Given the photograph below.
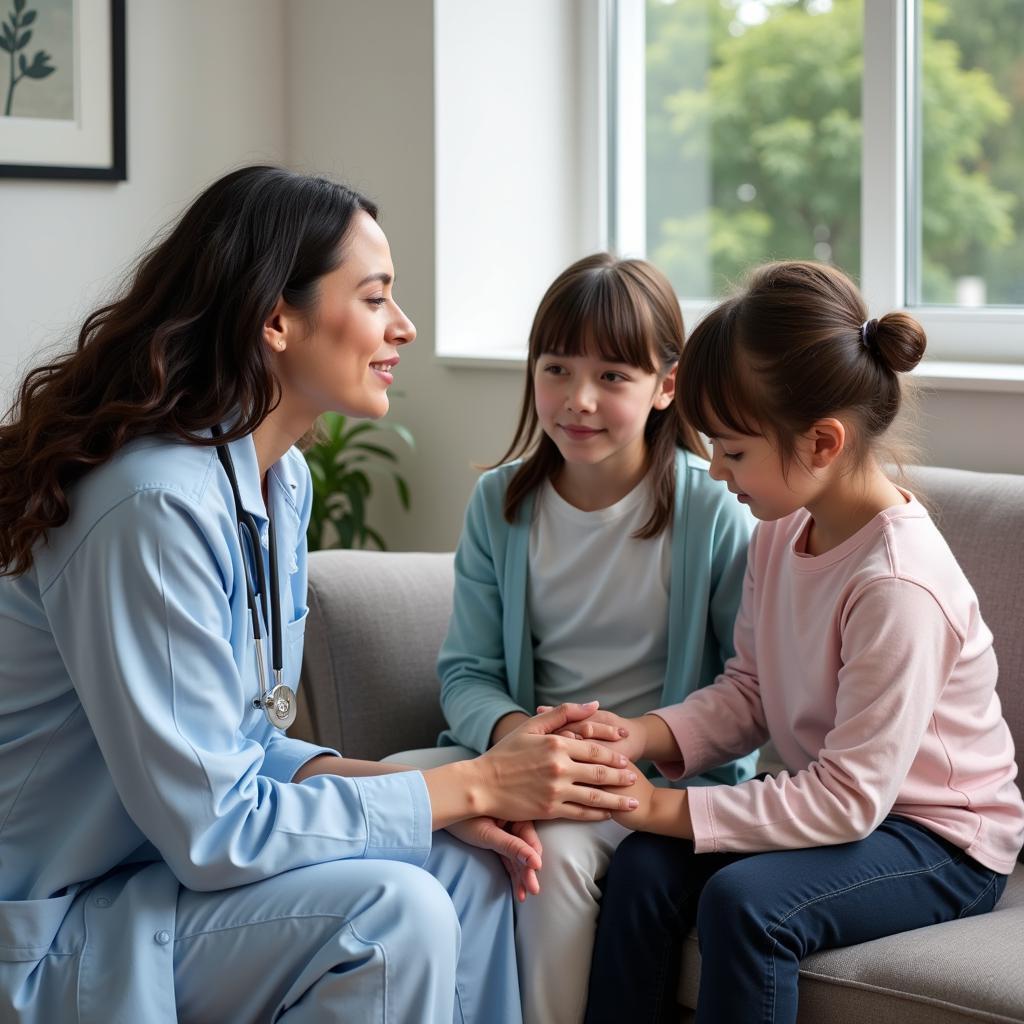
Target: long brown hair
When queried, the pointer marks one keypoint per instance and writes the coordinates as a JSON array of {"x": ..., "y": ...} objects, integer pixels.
[
  {"x": 626, "y": 311},
  {"x": 795, "y": 345},
  {"x": 180, "y": 350}
]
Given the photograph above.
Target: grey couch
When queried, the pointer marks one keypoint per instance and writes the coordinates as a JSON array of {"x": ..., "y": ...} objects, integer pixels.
[{"x": 369, "y": 689}]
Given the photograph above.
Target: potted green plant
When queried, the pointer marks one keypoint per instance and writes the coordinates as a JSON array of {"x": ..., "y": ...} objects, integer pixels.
[{"x": 342, "y": 460}]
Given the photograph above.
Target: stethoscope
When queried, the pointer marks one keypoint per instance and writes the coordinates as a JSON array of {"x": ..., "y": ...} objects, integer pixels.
[{"x": 279, "y": 704}]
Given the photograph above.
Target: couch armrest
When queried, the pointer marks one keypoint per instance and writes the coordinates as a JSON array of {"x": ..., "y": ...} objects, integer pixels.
[{"x": 376, "y": 622}]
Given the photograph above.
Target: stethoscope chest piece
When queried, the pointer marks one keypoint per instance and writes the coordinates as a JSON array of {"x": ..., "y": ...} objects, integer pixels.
[{"x": 279, "y": 704}]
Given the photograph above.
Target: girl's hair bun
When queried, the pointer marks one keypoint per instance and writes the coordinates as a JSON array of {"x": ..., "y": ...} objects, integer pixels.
[{"x": 899, "y": 341}]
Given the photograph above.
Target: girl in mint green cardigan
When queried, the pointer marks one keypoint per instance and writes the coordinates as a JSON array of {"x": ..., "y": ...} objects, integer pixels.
[
  {"x": 486, "y": 664},
  {"x": 602, "y": 563}
]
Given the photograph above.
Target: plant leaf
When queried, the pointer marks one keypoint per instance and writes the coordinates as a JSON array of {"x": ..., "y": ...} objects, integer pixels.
[
  {"x": 30, "y": 16},
  {"x": 377, "y": 539},
  {"x": 376, "y": 449},
  {"x": 358, "y": 507},
  {"x": 361, "y": 482},
  {"x": 403, "y": 492},
  {"x": 316, "y": 471},
  {"x": 335, "y": 426},
  {"x": 22, "y": 63},
  {"x": 357, "y": 503},
  {"x": 4, "y": 45},
  {"x": 340, "y": 466},
  {"x": 8, "y": 38},
  {"x": 19, "y": 6},
  {"x": 346, "y": 531},
  {"x": 346, "y": 459},
  {"x": 404, "y": 433},
  {"x": 314, "y": 535},
  {"x": 23, "y": 40},
  {"x": 359, "y": 428},
  {"x": 338, "y": 507}
]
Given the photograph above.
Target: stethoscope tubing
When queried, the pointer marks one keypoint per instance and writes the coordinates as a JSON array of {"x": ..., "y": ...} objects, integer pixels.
[{"x": 278, "y": 703}]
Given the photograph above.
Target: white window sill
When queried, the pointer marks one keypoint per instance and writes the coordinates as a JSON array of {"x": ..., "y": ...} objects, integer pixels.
[
  {"x": 502, "y": 359},
  {"x": 935, "y": 374},
  {"x": 945, "y": 375}
]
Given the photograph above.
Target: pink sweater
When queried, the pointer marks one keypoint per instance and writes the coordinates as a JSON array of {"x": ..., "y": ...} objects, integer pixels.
[{"x": 873, "y": 673}]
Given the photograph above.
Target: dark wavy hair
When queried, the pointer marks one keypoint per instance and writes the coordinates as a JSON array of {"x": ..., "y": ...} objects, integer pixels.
[
  {"x": 793, "y": 346},
  {"x": 626, "y": 311},
  {"x": 180, "y": 349}
]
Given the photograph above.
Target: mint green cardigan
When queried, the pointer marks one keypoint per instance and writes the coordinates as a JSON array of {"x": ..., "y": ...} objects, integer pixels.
[{"x": 486, "y": 660}]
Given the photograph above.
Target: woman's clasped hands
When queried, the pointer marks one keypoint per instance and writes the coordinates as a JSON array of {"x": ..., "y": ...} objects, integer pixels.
[
  {"x": 644, "y": 738},
  {"x": 540, "y": 771},
  {"x": 543, "y": 770}
]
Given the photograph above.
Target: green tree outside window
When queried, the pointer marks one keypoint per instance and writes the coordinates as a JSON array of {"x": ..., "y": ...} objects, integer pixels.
[{"x": 754, "y": 140}]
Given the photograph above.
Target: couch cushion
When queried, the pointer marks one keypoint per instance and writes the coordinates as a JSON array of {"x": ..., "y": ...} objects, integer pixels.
[
  {"x": 949, "y": 973},
  {"x": 376, "y": 622}
]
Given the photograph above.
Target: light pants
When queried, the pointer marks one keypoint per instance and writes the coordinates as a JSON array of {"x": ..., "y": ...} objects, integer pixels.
[
  {"x": 555, "y": 929},
  {"x": 353, "y": 940}
]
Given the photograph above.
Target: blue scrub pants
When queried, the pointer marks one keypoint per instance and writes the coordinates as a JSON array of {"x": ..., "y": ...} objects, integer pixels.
[
  {"x": 353, "y": 940},
  {"x": 758, "y": 915}
]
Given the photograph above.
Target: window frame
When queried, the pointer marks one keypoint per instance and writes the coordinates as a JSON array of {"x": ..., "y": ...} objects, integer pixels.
[{"x": 987, "y": 343}]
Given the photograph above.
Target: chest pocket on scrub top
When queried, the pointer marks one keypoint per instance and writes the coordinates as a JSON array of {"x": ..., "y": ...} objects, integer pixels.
[{"x": 294, "y": 634}]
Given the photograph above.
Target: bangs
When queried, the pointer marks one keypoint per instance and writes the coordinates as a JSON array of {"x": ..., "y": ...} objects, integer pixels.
[
  {"x": 596, "y": 314},
  {"x": 715, "y": 383}
]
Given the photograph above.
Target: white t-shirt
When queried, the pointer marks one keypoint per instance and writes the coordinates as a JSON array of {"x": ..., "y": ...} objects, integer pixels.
[{"x": 597, "y": 600}]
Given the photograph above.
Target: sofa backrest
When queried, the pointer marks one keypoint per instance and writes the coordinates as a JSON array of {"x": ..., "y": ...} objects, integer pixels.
[
  {"x": 376, "y": 621},
  {"x": 981, "y": 515}
]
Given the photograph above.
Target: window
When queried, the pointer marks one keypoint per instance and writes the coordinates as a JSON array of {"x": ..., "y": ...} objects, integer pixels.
[
  {"x": 885, "y": 136},
  {"x": 968, "y": 196},
  {"x": 753, "y": 137}
]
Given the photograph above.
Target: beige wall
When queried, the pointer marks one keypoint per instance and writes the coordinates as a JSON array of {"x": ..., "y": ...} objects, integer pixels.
[
  {"x": 973, "y": 430},
  {"x": 365, "y": 112},
  {"x": 383, "y": 139},
  {"x": 205, "y": 92},
  {"x": 345, "y": 88}
]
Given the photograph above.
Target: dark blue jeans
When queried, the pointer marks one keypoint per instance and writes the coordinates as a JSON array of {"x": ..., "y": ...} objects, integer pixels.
[{"x": 758, "y": 915}]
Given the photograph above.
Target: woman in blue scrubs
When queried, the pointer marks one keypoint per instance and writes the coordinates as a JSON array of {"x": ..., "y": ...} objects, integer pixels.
[{"x": 166, "y": 852}]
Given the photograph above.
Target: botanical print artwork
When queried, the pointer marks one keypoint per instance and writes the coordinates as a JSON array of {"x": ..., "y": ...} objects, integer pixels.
[{"x": 38, "y": 42}]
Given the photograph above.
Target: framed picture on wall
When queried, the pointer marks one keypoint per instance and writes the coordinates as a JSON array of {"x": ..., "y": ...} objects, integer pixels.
[{"x": 62, "y": 89}]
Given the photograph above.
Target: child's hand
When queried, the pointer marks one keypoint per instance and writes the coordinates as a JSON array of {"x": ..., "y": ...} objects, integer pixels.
[
  {"x": 664, "y": 812},
  {"x": 627, "y": 736},
  {"x": 639, "y": 820}
]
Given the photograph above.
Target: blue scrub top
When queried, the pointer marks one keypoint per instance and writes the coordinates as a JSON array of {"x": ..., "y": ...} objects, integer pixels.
[{"x": 131, "y": 759}]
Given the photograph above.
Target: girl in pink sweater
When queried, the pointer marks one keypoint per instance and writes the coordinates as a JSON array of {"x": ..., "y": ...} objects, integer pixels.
[{"x": 860, "y": 652}]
